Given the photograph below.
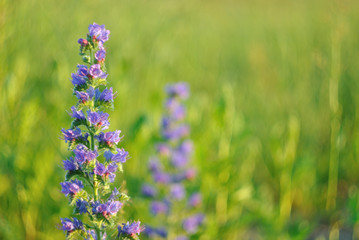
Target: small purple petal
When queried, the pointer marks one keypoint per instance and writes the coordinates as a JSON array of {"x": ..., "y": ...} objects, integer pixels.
[{"x": 149, "y": 191}]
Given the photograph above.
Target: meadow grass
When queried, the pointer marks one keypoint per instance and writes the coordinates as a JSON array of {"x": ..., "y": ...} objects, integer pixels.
[{"x": 272, "y": 110}]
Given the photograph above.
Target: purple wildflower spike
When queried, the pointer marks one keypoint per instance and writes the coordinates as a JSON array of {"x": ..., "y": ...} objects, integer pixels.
[
  {"x": 170, "y": 169},
  {"x": 89, "y": 143}
]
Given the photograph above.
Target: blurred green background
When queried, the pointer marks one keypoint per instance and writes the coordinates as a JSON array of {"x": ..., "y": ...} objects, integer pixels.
[{"x": 272, "y": 110}]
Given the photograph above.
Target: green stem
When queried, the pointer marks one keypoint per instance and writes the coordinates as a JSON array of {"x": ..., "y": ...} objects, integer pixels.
[
  {"x": 95, "y": 187},
  {"x": 98, "y": 233},
  {"x": 336, "y": 116},
  {"x": 87, "y": 178},
  {"x": 92, "y": 143},
  {"x": 95, "y": 183}
]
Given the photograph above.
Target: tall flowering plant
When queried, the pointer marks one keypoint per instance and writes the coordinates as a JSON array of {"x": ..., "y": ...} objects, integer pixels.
[
  {"x": 171, "y": 172},
  {"x": 96, "y": 157}
]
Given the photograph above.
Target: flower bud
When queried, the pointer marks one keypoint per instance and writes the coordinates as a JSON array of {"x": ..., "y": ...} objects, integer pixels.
[
  {"x": 83, "y": 42},
  {"x": 86, "y": 59}
]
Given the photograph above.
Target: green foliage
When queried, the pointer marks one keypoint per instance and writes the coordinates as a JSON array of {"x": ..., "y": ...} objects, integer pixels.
[
  {"x": 260, "y": 73},
  {"x": 78, "y": 234}
]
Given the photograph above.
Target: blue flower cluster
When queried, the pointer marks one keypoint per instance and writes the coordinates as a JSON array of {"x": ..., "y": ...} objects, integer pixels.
[
  {"x": 89, "y": 175},
  {"x": 171, "y": 171}
]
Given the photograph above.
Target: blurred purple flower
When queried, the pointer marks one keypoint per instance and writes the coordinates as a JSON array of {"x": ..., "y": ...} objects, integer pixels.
[
  {"x": 176, "y": 110},
  {"x": 186, "y": 147},
  {"x": 153, "y": 232},
  {"x": 163, "y": 149},
  {"x": 195, "y": 200},
  {"x": 190, "y": 224},
  {"x": 176, "y": 132},
  {"x": 177, "y": 191},
  {"x": 180, "y": 89},
  {"x": 149, "y": 191},
  {"x": 182, "y": 237},
  {"x": 161, "y": 177},
  {"x": 154, "y": 165},
  {"x": 179, "y": 159},
  {"x": 158, "y": 207}
]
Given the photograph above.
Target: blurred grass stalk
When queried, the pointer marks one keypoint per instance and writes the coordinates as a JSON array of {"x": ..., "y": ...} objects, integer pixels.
[
  {"x": 336, "y": 113},
  {"x": 224, "y": 151},
  {"x": 289, "y": 155}
]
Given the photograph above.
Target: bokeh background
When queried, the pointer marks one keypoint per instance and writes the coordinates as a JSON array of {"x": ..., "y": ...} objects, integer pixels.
[{"x": 273, "y": 108}]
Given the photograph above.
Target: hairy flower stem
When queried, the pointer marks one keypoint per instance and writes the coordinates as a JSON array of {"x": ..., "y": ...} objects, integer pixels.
[
  {"x": 98, "y": 233},
  {"x": 95, "y": 182},
  {"x": 95, "y": 187},
  {"x": 92, "y": 141}
]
